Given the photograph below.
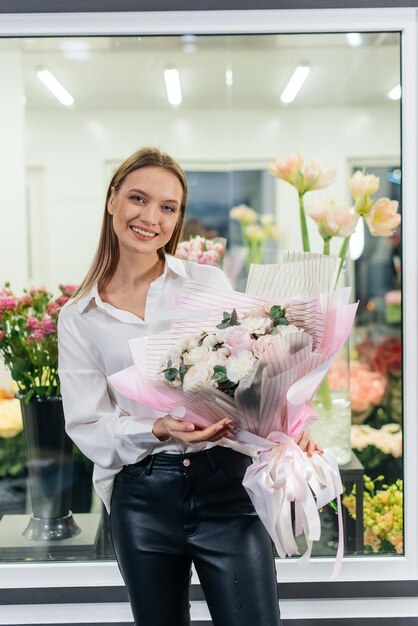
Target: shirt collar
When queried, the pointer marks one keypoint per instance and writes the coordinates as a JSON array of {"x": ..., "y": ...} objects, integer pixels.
[{"x": 172, "y": 263}]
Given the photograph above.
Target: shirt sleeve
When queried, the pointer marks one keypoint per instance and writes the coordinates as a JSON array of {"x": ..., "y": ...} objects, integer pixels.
[{"x": 103, "y": 431}]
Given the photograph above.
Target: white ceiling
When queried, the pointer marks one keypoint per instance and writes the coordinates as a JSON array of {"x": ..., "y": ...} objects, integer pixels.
[{"x": 127, "y": 72}]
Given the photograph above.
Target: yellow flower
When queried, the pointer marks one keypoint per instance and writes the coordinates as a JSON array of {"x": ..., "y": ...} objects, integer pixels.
[
  {"x": 10, "y": 418},
  {"x": 243, "y": 214}
]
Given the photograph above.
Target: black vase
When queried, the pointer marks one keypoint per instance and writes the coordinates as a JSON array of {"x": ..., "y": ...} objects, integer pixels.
[{"x": 50, "y": 469}]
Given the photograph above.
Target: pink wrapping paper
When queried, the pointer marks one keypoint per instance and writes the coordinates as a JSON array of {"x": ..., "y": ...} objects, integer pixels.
[{"x": 270, "y": 407}]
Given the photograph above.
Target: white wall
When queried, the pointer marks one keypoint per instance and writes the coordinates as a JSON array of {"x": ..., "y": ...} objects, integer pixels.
[{"x": 73, "y": 148}]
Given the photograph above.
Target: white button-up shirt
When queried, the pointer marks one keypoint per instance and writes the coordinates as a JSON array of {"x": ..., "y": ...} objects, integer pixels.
[{"x": 93, "y": 336}]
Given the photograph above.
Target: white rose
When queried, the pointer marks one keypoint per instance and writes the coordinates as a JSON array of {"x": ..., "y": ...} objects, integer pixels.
[
  {"x": 196, "y": 376},
  {"x": 239, "y": 366},
  {"x": 195, "y": 355},
  {"x": 190, "y": 343},
  {"x": 213, "y": 358},
  {"x": 210, "y": 340},
  {"x": 287, "y": 330},
  {"x": 257, "y": 325}
]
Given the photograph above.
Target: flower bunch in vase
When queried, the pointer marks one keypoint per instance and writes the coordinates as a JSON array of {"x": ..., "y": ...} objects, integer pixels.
[
  {"x": 256, "y": 230},
  {"x": 335, "y": 220},
  {"x": 28, "y": 338},
  {"x": 202, "y": 250},
  {"x": 382, "y": 515}
]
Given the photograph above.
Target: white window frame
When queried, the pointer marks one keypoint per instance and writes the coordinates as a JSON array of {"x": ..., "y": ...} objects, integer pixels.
[{"x": 404, "y": 20}]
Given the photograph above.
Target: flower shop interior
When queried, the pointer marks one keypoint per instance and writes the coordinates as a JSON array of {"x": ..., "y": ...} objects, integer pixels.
[{"x": 249, "y": 114}]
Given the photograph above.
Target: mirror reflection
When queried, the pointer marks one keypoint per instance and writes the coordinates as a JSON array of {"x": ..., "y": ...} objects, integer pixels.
[{"x": 225, "y": 107}]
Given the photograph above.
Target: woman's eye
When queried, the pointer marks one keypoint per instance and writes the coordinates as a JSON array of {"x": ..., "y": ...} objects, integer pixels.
[
  {"x": 137, "y": 198},
  {"x": 170, "y": 208}
]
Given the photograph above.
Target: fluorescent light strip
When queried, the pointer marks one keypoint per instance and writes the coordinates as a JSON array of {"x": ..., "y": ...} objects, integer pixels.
[
  {"x": 395, "y": 93},
  {"x": 172, "y": 83},
  {"x": 295, "y": 83},
  {"x": 354, "y": 40},
  {"x": 229, "y": 78},
  {"x": 55, "y": 87}
]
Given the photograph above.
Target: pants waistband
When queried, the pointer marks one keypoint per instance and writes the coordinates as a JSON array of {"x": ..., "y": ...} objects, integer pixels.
[{"x": 198, "y": 459}]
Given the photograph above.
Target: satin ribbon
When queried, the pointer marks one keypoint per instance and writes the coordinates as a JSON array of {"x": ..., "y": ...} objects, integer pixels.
[{"x": 284, "y": 474}]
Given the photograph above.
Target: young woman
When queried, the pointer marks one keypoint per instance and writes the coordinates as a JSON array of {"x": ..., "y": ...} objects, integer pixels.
[{"x": 174, "y": 495}]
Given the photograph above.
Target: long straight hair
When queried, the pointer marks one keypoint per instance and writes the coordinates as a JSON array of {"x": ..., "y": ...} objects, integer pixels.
[{"x": 106, "y": 257}]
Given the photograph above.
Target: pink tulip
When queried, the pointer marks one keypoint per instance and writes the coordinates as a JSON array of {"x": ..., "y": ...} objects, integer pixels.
[
  {"x": 315, "y": 178},
  {"x": 333, "y": 220},
  {"x": 382, "y": 219},
  {"x": 363, "y": 184},
  {"x": 1, "y": 334},
  {"x": 287, "y": 167}
]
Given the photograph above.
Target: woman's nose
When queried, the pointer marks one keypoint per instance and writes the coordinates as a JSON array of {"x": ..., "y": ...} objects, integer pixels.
[{"x": 149, "y": 213}]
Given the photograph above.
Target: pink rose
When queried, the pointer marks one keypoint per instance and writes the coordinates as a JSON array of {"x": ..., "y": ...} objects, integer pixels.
[
  {"x": 1, "y": 334},
  {"x": 48, "y": 326},
  {"x": 33, "y": 323},
  {"x": 238, "y": 339}
]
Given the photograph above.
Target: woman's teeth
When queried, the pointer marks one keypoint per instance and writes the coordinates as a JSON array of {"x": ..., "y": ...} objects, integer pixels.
[{"x": 143, "y": 232}]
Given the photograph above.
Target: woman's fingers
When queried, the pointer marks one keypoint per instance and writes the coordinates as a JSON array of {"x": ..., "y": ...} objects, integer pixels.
[{"x": 181, "y": 430}]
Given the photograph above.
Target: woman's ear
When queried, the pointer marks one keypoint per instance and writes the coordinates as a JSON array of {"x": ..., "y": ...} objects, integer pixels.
[{"x": 111, "y": 200}]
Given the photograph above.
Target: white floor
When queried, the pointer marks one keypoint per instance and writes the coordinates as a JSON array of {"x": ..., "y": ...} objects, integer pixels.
[{"x": 290, "y": 609}]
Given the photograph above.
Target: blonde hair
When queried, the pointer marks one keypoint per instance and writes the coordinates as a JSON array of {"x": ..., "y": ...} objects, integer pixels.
[{"x": 107, "y": 254}]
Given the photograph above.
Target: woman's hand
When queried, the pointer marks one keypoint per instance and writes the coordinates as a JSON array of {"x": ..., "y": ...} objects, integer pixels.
[
  {"x": 306, "y": 442},
  {"x": 191, "y": 433}
]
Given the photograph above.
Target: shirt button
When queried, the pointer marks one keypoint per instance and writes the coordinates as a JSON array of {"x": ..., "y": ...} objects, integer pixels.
[{"x": 186, "y": 462}]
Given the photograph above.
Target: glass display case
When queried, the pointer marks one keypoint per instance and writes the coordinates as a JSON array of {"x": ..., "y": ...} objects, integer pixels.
[{"x": 355, "y": 112}]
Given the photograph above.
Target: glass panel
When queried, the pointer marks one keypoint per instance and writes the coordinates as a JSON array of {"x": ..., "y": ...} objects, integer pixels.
[{"x": 232, "y": 122}]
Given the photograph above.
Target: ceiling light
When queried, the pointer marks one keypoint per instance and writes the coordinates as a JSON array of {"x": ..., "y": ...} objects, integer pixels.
[
  {"x": 172, "y": 83},
  {"x": 354, "y": 39},
  {"x": 75, "y": 50},
  {"x": 295, "y": 83},
  {"x": 395, "y": 93},
  {"x": 229, "y": 78},
  {"x": 55, "y": 87}
]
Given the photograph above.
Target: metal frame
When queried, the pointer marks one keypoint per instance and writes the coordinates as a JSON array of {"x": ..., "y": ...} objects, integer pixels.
[{"x": 103, "y": 574}]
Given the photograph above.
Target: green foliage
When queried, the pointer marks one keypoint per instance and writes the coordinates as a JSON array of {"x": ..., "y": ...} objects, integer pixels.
[{"x": 12, "y": 456}]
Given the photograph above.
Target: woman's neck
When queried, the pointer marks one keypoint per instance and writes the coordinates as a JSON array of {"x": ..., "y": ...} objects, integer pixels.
[{"x": 128, "y": 277}]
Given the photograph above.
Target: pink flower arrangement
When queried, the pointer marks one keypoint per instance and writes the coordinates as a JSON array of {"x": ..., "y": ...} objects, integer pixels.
[
  {"x": 28, "y": 338},
  {"x": 202, "y": 250},
  {"x": 367, "y": 387}
]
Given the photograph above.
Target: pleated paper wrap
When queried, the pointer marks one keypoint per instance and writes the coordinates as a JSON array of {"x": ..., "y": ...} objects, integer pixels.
[{"x": 270, "y": 407}]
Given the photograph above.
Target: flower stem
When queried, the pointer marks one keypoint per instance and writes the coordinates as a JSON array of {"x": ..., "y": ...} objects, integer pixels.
[
  {"x": 326, "y": 245},
  {"x": 324, "y": 395},
  {"x": 343, "y": 254},
  {"x": 303, "y": 225}
]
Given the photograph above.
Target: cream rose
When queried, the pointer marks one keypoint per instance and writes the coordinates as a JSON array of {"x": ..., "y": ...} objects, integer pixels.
[
  {"x": 213, "y": 358},
  {"x": 196, "y": 376},
  {"x": 257, "y": 325},
  {"x": 195, "y": 355},
  {"x": 238, "y": 339}
]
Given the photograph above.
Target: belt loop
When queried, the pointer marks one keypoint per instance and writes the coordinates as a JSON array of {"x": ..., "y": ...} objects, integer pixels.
[
  {"x": 148, "y": 469},
  {"x": 212, "y": 460}
]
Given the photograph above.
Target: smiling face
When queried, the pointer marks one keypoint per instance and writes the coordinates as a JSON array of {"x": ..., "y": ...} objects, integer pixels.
[{"x": 145, "y": 209}]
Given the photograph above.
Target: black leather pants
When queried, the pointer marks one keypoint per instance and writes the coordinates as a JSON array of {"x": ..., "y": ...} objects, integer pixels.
[{"x": 171, "y": 509}]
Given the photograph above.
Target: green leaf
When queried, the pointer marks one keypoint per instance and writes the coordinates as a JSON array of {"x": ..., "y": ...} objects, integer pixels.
[
  {"x": 234, "y": 318},
  {"x": 171, "y": 373},
  {"x": 169, "y": 363},
  {"x": 19, "y": 367}
]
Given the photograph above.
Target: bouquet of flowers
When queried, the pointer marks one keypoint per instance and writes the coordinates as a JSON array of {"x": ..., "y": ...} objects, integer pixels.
[
  {"x": 202, "y": 250},
  {"x": 259, "y": 360},
  {"x": 28, "y": 338}
]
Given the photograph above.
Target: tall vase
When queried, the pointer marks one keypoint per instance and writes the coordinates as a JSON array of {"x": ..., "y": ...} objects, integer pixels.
[
  {"x": 332, "y": 428},
  {"x": 50, "y": 468}
]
